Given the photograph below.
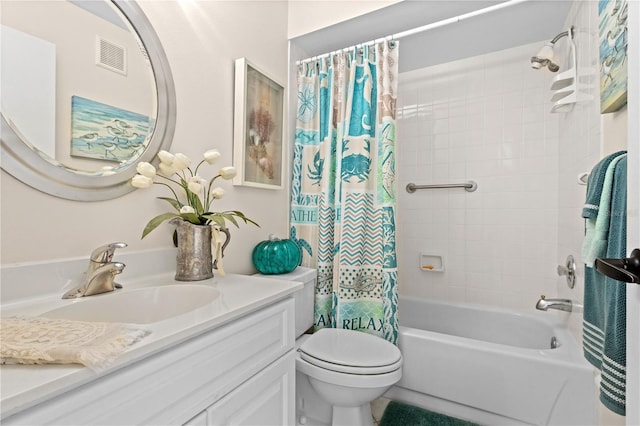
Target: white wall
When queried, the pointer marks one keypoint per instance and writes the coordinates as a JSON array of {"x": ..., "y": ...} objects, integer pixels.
[
  {"x": 306, "y": 16},
  {"x": 486, "y": 119},
  {"x": 30, "y": 108},
  {"x": 202, "y": 41},
  {"x": 75, "y": 66}
]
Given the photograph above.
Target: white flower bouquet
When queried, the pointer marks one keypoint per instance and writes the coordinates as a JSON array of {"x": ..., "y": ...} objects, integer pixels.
[{"x": 199, "y": 194}]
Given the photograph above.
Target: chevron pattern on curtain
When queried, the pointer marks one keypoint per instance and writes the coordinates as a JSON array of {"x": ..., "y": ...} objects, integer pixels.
[{"x": 343, "y": 196}]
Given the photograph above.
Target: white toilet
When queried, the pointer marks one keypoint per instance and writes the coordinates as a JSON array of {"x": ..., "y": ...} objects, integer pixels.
[{"x": 338, "y": 372}]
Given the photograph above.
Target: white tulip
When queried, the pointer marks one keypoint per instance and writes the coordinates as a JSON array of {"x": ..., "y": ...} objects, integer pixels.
[
  {"x": 187, "y": 209},
  {"x": 227, "y": 172},
  {"x": 217, "y": 193},
  {"x": 212, "y": 156},
  {"x": 195, "y": 183},
  {"x": 141, "y": 181},
  {"x": 180, "y": 162},
  {"x": 166, "y": 169},
  {"x": 146, "y": 169},
  {"x": 166, "y": 157}
]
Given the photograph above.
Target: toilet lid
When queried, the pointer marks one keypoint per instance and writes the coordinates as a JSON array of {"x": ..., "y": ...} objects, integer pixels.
[{"x": 350, "y": 351}]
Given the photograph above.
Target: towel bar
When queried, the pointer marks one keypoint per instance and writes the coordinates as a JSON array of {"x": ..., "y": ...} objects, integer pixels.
[
  {"x": 469, "y": 186},
  {"x": 626, "y": 270}
]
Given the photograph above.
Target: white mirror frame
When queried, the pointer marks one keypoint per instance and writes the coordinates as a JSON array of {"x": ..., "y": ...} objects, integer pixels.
[{"x": 28, "y": 166}]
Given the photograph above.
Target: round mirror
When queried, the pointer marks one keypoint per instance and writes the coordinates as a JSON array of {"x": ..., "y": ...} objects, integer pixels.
[{"x": 87, "y": 93}]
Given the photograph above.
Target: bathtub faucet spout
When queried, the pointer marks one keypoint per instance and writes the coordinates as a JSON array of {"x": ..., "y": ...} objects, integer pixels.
[{"x": 560, "y": 304}]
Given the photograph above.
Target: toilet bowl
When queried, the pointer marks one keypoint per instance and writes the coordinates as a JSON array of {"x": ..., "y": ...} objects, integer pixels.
[
  {"x": 349, "y": 369},
  {"x": 338, "y": 372}
]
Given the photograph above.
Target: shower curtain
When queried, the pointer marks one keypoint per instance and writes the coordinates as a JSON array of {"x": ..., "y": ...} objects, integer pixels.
[{"x": 343, "y": 198}]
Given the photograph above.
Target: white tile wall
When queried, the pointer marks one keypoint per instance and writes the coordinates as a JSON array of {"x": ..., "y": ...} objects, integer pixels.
[
  {"x": 581, "y": 134},
  {"x": 487, "y": 118}
]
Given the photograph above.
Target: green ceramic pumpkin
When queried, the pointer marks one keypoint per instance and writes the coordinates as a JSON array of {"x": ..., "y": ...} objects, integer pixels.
[{"x": 276, "y": 256}]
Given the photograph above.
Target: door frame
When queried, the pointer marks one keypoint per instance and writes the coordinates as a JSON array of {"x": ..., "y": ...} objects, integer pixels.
[{"x": 633, "y": 214}]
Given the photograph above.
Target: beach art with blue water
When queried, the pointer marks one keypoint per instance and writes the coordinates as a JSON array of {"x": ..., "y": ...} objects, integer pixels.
[
  {"x": 105, "y": 132},
  {"x": 613, "y": 30}
]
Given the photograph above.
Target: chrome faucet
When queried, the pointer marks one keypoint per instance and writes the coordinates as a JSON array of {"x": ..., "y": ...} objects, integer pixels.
[
  {"x": 560, "y": 304},
  {"x": 100, "y": 281},
  {"x": 99, "y": 277}
]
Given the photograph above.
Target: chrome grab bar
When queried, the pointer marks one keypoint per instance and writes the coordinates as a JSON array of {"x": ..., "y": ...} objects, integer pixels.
[{"x": 469, "y": 186}]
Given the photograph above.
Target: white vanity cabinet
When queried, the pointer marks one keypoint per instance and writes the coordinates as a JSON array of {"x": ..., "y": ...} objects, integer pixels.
[
  {"x": 262, "y": 400},
  {"x": 242, "y": 372}
]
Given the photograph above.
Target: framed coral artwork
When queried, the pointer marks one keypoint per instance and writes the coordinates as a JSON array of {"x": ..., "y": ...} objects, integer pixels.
[{"x": 258, "y": 145}]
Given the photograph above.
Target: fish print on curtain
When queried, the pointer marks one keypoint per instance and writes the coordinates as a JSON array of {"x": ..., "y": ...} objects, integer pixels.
[{"x": 343, "y": 197}]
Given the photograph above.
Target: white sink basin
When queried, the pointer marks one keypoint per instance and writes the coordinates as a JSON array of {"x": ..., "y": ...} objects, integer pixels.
[{"x": 138, "y": 306}]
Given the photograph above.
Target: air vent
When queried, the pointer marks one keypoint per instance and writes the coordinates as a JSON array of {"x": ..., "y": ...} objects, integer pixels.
[{"x": 111, "y": 56}]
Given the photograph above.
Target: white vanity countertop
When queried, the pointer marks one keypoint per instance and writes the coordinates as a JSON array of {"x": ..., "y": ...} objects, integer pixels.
[{"x": 24, "y": 386}]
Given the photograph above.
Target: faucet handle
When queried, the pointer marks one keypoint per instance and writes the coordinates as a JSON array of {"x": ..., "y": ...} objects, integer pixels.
[
  {"x": 569, "y": 270},
  {"x": 104, "y": 254}
]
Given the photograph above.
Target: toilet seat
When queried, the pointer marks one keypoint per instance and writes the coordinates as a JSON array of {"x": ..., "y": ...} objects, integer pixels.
[{"x": 352, "y": 352}]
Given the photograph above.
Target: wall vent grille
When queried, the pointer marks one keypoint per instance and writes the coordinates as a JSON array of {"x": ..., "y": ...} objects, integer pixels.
[{"x": 111, "y": 56}]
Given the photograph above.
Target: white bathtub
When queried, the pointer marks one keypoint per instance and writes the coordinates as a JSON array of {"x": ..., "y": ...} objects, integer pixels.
[{"x": 492, "y": 366}]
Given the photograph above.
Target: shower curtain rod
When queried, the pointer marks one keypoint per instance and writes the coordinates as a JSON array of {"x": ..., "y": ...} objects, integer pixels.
[{"x": 421, "y": 29}]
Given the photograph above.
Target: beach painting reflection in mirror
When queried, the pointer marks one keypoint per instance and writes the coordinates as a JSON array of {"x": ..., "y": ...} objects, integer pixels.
[{"x": 105, "y": 132}]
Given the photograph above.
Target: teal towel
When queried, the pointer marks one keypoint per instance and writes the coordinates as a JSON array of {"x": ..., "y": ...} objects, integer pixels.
[
  {"x": 594, "y": 185},
  {"x": 604, "y": 326},
  {"x": 597, "y": 229}
]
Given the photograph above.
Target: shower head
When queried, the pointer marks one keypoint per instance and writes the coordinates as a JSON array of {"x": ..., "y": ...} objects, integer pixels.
[
  {"x": 538, "y": 62},
  {"x": 545, "y": 57}
]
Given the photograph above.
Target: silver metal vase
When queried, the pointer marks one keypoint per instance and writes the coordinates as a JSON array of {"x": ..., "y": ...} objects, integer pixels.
[{"x": 194, "y": 261}]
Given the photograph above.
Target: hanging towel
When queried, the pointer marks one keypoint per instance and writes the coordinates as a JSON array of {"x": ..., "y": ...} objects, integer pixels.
[
  {"x": 597, "y": 228},
  {"x": 604, "y": 325},
  {"x": 594, "y": 185}
]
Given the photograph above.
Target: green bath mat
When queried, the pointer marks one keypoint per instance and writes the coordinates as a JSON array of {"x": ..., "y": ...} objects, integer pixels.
[{"x": 399, "y": 414}]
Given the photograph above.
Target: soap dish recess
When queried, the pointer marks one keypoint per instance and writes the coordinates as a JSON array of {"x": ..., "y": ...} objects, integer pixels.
[{"x": 431, "y": 263}]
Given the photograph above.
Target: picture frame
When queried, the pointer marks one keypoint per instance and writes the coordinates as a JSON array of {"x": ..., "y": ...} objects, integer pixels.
[
  {"x": 613, "y": 35},
  {"x": 105, "y": 132},
  {"x": 258, "y": 133}
]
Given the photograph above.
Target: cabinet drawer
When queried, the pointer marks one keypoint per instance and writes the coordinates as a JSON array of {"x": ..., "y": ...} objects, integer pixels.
[
  {"x": 172, "y": 386},
  {"x": 267, "y": 398}
]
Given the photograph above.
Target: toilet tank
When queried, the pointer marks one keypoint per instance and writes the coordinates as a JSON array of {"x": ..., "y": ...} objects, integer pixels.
[{"x": 304, "y": 298}]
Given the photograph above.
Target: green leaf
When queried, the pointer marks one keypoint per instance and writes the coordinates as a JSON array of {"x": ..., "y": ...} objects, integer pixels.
[
  {"x": 191, "y": 217},
  {"x": 153, "y": 223},
  {"x": 243, "y": 217},
  {"x": 219, "y": 220},
  {"x": 175, "y": 203},
  {"x": 194, "y": 201},
  {"x": 231, "y": 219}
]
